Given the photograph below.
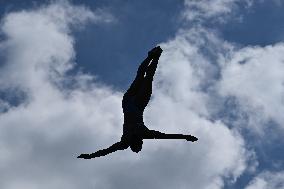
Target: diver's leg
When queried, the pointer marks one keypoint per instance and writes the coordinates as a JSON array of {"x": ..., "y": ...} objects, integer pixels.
[
  {"x": 153, "y": 54},
  {"x": 145, "y": 92},
  {"x": 152, "y": 134},
  {"x": 136, "y": 84},
  {"x": 150, "y": 72}
]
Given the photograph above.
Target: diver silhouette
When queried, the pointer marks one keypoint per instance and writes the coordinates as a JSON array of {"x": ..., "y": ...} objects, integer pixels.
[{"x": 134, "y": 102}]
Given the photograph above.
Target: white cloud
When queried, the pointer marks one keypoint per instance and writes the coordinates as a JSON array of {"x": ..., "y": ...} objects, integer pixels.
[
  {"x": 178, "y": 95},
  {"x": 255, "y": 76},
  {"x": 265, "y": 180},
  {"x": 201, "y": 10},
  {"x": 41, "y": 28},
  {"x": 40, "y": 135}
]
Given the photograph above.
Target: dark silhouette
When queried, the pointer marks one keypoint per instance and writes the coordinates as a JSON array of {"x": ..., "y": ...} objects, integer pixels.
[{"x": 134, "y": 102}]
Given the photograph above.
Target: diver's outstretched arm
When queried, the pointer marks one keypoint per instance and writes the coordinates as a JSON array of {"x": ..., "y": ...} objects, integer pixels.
[
  {"x": 117, "y": 146},
  {"x": 152, "y": 134}
]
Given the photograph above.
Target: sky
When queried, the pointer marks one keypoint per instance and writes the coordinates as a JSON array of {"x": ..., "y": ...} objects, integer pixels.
[{"x": 65, "y": 65}]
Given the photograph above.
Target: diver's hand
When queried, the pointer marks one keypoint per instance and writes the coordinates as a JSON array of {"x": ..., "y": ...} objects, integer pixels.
[
  {"x": 85, "y": 156},
  {"x": 191, "y": 138},
  {"x": 155, "y": 53}
]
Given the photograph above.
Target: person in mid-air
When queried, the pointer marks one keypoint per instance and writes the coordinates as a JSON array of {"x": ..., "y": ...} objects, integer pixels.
[{"x": 134, "y": 102}]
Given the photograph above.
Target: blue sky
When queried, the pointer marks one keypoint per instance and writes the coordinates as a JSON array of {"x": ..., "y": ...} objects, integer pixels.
[
  {"x": 220, "y": 77},
  {"x": 152, "y": 23}
]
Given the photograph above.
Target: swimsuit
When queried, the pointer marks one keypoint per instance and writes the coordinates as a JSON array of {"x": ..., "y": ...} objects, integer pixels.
[{"x": 133, "y": 119}]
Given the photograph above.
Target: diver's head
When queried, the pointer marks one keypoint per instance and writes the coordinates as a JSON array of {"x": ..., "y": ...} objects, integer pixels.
[{"x": 136, "y": 144}]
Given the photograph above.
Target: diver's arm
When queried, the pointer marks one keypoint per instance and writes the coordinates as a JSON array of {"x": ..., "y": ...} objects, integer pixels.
[
  {"x": 152, "y": 134},
  {"x": 117, "y": 146}
]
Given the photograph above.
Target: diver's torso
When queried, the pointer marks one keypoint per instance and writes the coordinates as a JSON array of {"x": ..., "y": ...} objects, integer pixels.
[
  {"x": 133, "y": 119},
  {"x": 133, "y": 130},
  {"x": 132, "y": 113}
]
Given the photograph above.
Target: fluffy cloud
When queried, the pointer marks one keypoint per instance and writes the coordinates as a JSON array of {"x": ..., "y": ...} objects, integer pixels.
[
  {"x": 255, "y": 77},
  {"x": 273, "y": 180},
  {"x": 40, "y": 136},
  {"x": 183, "y": 73},
  {"x": 60, "y": 116},
  {"x": 208, "y": 9}
]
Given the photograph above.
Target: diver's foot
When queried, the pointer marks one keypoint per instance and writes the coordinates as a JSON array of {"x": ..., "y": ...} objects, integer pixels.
[
  {"x": 191, "y": 138},
  {"x": 155, "y": 53},
  {"x": 85, "y": 156}
]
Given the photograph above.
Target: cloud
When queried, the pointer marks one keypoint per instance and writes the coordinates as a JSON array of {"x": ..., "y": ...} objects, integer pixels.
[
  {"x": 62, "y": 115},
  {"x": 205, "y": 10},
  {"x": 41, "y": 136},
  {"x": 254, "y": 76},
  {"x": 183, "y": 73},
  {"x": 273, "y": 180},
  {"x": 41, "y": 28}
]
